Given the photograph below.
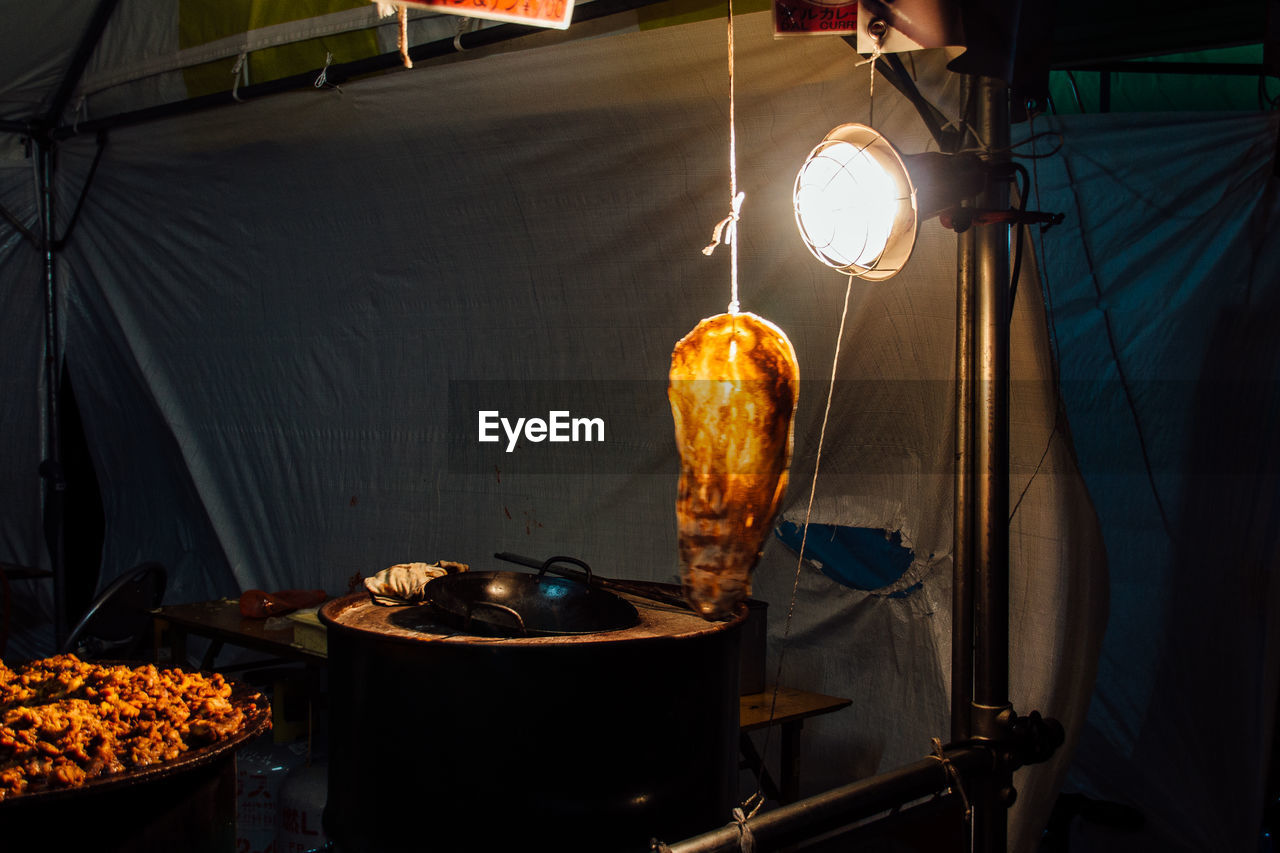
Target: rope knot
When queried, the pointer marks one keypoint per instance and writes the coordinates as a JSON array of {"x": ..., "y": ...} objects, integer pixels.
[
  {"x": 727, "y": 227},
  {"x": 956, "y": 786},
  {"x": 323, "y": 79},
  {"x": 746, "y": 840},
  {"x": 238, "y": 71}
]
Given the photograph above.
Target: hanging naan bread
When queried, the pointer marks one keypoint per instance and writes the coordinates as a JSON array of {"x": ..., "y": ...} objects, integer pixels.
[{"x": 733, "y": 388}]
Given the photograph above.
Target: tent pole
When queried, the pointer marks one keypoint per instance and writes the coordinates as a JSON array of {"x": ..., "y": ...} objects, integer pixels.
[
  {"x": 55, "y": 487},
  {"x": 962, "y": 527},
  {"x": 991, "y": 468},
  {"x": 51, "y": 467},
  {"x": 75, "y": 69}
]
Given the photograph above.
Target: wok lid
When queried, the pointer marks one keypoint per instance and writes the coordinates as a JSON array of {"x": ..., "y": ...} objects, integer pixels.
[{"x": 520, "y": 604}]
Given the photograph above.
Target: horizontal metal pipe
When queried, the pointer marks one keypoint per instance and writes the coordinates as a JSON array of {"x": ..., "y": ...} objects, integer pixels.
[{"x": 842, "y": 806}]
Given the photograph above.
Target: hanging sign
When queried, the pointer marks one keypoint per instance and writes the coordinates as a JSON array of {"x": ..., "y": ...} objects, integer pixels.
[
  {"x": 555, "y": 14},
  {"x": 815, "y": 17}
]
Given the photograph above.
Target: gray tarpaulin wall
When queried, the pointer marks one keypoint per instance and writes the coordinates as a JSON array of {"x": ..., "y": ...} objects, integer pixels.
[
  {"x": 1165, "y": 287},
  {"x": 281, "y": 316}
]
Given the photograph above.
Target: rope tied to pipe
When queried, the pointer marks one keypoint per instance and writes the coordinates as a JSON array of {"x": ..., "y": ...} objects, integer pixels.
[
  {"x": 957, "y": 786},
  {"x": 746, "y": 840}
]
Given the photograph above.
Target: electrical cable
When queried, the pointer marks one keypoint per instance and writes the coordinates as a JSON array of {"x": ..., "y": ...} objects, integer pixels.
[
  {"x": 795, "y": 587},
  {"x": 891, "y": 67},
  {"x": 1265, "y": 101},
  {"x": 1042, "y": 265},
  {"x": 1053, "y": 332},
  {"x": 1031, "y": 140},
  {"x": 1019, "y": 233},
  {"x": 1075, "y": 92},
  {"x": 84, "y": 190},
  {"x": 26, "y": 233},
  {"x": 1048, "y": 445}
]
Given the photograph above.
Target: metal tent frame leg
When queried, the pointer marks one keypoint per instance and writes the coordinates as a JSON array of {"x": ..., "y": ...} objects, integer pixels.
[{"x": 988, "y": 739}]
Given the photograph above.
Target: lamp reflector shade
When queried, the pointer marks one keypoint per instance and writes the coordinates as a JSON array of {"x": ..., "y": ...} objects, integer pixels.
[{"x": 855, "y": 203}]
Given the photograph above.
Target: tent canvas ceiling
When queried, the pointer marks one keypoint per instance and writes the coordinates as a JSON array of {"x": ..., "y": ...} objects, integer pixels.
[{"x": 274, "y": 313}]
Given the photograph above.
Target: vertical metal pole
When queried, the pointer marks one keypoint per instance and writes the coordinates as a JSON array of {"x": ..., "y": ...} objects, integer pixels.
[
  {"x": 991, "y": 461},
  {"x": 51, "y": 469},
  {"x": 962, "y": 536}
]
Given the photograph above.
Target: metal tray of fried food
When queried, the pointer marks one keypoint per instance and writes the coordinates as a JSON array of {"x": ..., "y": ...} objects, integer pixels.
[{"x": 257, "y": 719}]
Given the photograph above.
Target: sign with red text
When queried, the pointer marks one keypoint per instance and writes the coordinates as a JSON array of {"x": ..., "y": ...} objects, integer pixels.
[
  {"x": 534, "y": 13},
  {"x": 815, "y": 17}
]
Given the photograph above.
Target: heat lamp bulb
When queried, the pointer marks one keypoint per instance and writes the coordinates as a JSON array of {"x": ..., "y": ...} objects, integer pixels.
[
  {"x": 845, "y": 204},
  {"x": 855, "y": 204}
]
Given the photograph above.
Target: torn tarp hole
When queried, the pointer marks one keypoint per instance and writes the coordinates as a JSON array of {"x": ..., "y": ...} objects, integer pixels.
[{"x": 864, "y": 558}]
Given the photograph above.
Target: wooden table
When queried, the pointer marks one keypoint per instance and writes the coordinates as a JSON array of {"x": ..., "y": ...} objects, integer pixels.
[
  {"x": 790, "y": 711},
  {"x": 221, "y": 622}
]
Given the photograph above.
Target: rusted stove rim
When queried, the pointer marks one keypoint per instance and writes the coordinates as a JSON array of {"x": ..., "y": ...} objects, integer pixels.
[{"x": 331, "y": 612}]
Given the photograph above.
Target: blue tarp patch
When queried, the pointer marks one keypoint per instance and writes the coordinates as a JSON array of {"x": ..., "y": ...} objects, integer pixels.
[{"x": 859, "y": 557}]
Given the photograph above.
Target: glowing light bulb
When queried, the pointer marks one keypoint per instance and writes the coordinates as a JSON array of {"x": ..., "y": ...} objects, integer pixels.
[
  {"x": 855, "y": 204},
  {"x": 846, "y": 202}
]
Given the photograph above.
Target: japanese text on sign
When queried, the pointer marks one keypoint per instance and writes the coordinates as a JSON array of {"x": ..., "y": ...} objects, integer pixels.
[{"x": 813, "y": 17}]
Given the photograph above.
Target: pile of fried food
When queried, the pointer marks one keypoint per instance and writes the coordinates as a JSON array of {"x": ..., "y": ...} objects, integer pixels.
[{"x": 64, "y": 721}]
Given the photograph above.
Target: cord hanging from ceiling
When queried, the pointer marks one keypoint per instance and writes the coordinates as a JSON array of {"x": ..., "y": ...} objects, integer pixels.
[{"x": 728, "y": 227}]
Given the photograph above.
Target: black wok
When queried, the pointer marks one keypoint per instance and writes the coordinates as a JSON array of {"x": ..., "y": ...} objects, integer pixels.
[{"x": 519, "y": 604}]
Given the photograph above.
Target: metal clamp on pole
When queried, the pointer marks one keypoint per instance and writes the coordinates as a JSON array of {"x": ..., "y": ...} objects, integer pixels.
[
  {"x": 990, "y": 722},
  {"x": 1015, "y": 742}
]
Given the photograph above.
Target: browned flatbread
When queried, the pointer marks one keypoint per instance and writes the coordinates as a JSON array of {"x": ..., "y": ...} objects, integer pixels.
[{"x": 733, "y": 388}]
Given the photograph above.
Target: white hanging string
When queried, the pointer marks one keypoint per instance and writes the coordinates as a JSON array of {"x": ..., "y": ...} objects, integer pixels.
[
  {"x": 236, "y": 70},
  {"x": 728, "y": 227},
  {"x": 817, "y": 462},
  {"x": 323, "y": 79},
  {"x": 756, "y": 800},
  {"x": 726, "y": 230},
  {"x": 78, "y": 114},
  {"x": 871, "y": 98}
]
